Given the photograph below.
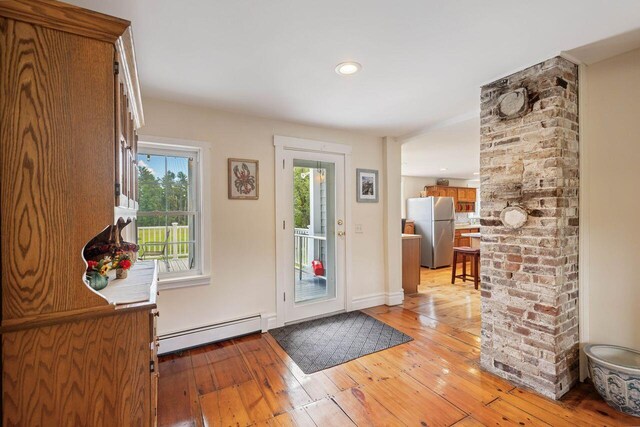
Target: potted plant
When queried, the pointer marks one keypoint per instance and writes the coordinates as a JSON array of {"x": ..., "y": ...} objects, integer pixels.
[{"x": 122, "y": 263}]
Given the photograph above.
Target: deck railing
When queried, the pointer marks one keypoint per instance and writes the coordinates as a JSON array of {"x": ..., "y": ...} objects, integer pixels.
[
  {"x": 178, "y": 243},
  {"x": 306, "y": 248}
]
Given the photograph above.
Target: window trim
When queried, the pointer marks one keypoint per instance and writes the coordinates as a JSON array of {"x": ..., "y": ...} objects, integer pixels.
[{"x": 169, "y": 146}]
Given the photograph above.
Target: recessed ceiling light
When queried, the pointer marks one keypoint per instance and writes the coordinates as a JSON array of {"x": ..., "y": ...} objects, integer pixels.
[
  {"x": 348, "y": 68},
  {"x": 443, "y": 169}
]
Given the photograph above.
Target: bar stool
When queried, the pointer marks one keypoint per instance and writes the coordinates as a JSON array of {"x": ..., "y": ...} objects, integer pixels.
[{"x": 465, "y": 251}]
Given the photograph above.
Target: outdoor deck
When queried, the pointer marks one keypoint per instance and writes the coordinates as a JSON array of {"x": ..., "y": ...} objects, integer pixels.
[
  {"x": 173, "y": 265},
  {"x": 309, "y": 287}
]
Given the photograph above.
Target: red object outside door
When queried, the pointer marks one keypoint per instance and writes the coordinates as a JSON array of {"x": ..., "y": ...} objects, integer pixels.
[{"x": 318, "y": 268}]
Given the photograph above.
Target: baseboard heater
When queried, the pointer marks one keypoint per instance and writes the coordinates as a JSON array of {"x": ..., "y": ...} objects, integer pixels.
[{"x": 182, "y": 340}]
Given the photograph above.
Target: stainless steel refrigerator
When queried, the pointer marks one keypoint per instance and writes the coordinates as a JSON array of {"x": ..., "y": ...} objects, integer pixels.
[{"x": 434, "y": 219}]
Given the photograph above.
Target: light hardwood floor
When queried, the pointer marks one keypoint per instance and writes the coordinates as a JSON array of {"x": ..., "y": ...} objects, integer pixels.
[{"x": 434, "y": 380}]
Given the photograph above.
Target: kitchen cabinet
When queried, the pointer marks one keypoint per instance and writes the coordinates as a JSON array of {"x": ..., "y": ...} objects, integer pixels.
[
  {"x": 464, "y": 198},
  {"x": 70, "y": 355},
  {"x": 459, "y": 240},
  {"x": 467, "y": 194},
  {"x": 411, "y": 263}
]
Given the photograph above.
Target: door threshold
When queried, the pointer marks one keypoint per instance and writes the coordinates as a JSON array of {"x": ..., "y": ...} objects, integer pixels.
[{"x": 320, "y": 316}]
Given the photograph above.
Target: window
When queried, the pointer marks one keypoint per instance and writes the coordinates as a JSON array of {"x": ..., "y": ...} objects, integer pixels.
[{"x": 168, "y": 226}]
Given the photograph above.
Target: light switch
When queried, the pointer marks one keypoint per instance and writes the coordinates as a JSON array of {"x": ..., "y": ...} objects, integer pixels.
[{"x": 359, "y": 228}]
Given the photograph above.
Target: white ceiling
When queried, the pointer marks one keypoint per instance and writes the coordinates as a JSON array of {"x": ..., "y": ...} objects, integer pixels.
[
  {"x": 455, "y": 147},
  {"x": 423, "y": 60}
]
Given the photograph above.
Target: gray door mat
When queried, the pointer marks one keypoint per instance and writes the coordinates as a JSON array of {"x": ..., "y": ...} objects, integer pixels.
[{"x": 319, "y": 344}]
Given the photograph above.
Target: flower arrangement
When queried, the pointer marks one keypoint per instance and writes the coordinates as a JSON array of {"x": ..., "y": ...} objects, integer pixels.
[
  {"x": 122, "y": 263},
  {"x": 97, "y": 272}
]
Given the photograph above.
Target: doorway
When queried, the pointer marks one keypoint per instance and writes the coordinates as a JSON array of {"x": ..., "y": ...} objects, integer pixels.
[{"x": 311, "y": 242}]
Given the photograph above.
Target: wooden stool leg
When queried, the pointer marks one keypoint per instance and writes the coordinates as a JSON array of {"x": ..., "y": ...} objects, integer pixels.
[
  {"x": 476, "y": 267},
  {"x": 453, "y": 269},
  {"x": 464, "y": 268}
]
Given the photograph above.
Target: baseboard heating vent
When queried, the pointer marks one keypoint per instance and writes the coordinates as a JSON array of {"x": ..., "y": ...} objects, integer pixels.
[{"x": 182, "y": 340}]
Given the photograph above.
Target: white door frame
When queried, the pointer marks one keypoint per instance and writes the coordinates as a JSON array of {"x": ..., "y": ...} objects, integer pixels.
[{"x": 281, "y": 144}]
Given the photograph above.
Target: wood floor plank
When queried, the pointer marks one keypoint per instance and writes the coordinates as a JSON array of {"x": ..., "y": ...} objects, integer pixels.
[
  {"x": 517, "y": 415},
  {"x": 254, "y": 403},
  {"x": 178, "y": 402},
  {"x": 203, "y": 371},
  {"x": 364, "y": 409},
  {"x": 280, "y": 388},
  {"x": 326, "y": 412},
  {"x": 224, "y": 408},
  {"x": 433, "y": 410},
  {"x": 317, "y": 385},
  {"x": 591, "y": 410},
  {"x": 469, "y": 422},
  {"x": 338, "y": 376},
  {"x": 295, "y": 418},
  {"x": 231, "y": 371},
  {"x": 488, "y": 416}
]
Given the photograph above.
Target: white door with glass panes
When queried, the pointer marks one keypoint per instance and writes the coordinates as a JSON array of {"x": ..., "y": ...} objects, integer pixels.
[{"x": 312, "y": 204}]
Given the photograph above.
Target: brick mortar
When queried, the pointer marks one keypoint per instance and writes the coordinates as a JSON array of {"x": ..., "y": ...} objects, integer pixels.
[{"x": 530, "y": 275}]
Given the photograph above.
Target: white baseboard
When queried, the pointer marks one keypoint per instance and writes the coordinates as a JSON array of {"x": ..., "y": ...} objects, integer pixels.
[
  {"x": 394, "y": 298},
  {"x": 366, "y": 301},
  {"x": 182, "y": 340},
  {"x": 269, "y": 321},
  {"x": 380, "y": 298}
]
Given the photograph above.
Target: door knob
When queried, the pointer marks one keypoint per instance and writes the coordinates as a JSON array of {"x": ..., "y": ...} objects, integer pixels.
[
  {"x": 340, "y": 222},
  {"x": 340, "y": 233}
]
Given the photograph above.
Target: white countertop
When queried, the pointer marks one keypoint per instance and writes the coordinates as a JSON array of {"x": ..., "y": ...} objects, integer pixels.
[
  {"x": 466, "y": 226},
  {"x": 139, "y": 286},
  {"x": 473, "y": 235},
  {"x": 411, "y": 236}
]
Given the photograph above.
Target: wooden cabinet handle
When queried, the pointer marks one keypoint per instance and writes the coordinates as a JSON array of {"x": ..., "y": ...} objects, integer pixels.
[{"x": 157, "y": 313}]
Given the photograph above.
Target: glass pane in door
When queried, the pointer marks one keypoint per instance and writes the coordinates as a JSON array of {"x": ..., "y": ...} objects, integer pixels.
[{"x": 314, "y": 190}]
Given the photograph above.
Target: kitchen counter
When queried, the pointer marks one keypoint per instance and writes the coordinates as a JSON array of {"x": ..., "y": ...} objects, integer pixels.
[
  {"x": 474, "y": 239},
  {"x": 411, "y": 236},
  {"x": 466, "y": 226},
  {"x": 411, "y": 263},
  {"x": 476, "y": 235}
]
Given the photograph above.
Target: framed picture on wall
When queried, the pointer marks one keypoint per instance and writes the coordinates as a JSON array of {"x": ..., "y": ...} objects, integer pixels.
[
  {"x": 367, "y": 185},
  {"x": 243, "y": 179}
]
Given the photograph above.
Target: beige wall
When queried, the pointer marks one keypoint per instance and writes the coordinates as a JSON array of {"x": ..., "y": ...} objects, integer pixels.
[
  {"x": 610, "y": 128},
  {"x": 243, "y": 232}
]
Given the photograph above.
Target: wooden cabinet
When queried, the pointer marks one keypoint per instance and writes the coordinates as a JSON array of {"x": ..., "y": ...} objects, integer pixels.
[
  {"x": 467, "y": 194},
  {"x": 459, "y": 240},
  {"x": 410, "y": 263},
  {"x": 128, "y": 117},
  {"x": 69, "y": 355},
  {"x": 464, "y": 198}
]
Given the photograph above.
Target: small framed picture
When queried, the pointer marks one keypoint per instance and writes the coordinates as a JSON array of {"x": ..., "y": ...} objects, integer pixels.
[
  {"x": 243, "y": 179},
  {"x": 367, "y": 185}
]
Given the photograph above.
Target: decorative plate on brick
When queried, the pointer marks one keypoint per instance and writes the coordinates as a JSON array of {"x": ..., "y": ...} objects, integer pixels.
[
  {"x": 514, "y": 216},
  {"x": 513, "y": 104}
]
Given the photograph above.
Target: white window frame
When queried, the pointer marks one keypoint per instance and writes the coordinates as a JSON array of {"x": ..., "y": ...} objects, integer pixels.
[{"x": 180, "y": 147}]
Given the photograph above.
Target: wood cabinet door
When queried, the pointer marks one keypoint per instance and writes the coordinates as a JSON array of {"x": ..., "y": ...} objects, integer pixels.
[
  {"x": 451, "y": 192},
  {"x": 471, "y": 195},
  {"x": 435, "y": 191}
]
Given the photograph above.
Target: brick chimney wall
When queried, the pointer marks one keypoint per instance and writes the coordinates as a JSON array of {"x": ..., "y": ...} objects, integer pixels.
[{"x": 530, "y": 275}]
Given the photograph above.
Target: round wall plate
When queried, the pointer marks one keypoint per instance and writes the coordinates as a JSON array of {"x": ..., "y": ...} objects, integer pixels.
[
  {"x": 514, "y": 103},
  {"x": 514, "y": 216}
]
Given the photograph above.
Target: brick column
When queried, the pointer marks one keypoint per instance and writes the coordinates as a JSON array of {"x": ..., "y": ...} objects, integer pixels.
[{"x": 529, "y": 157}]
